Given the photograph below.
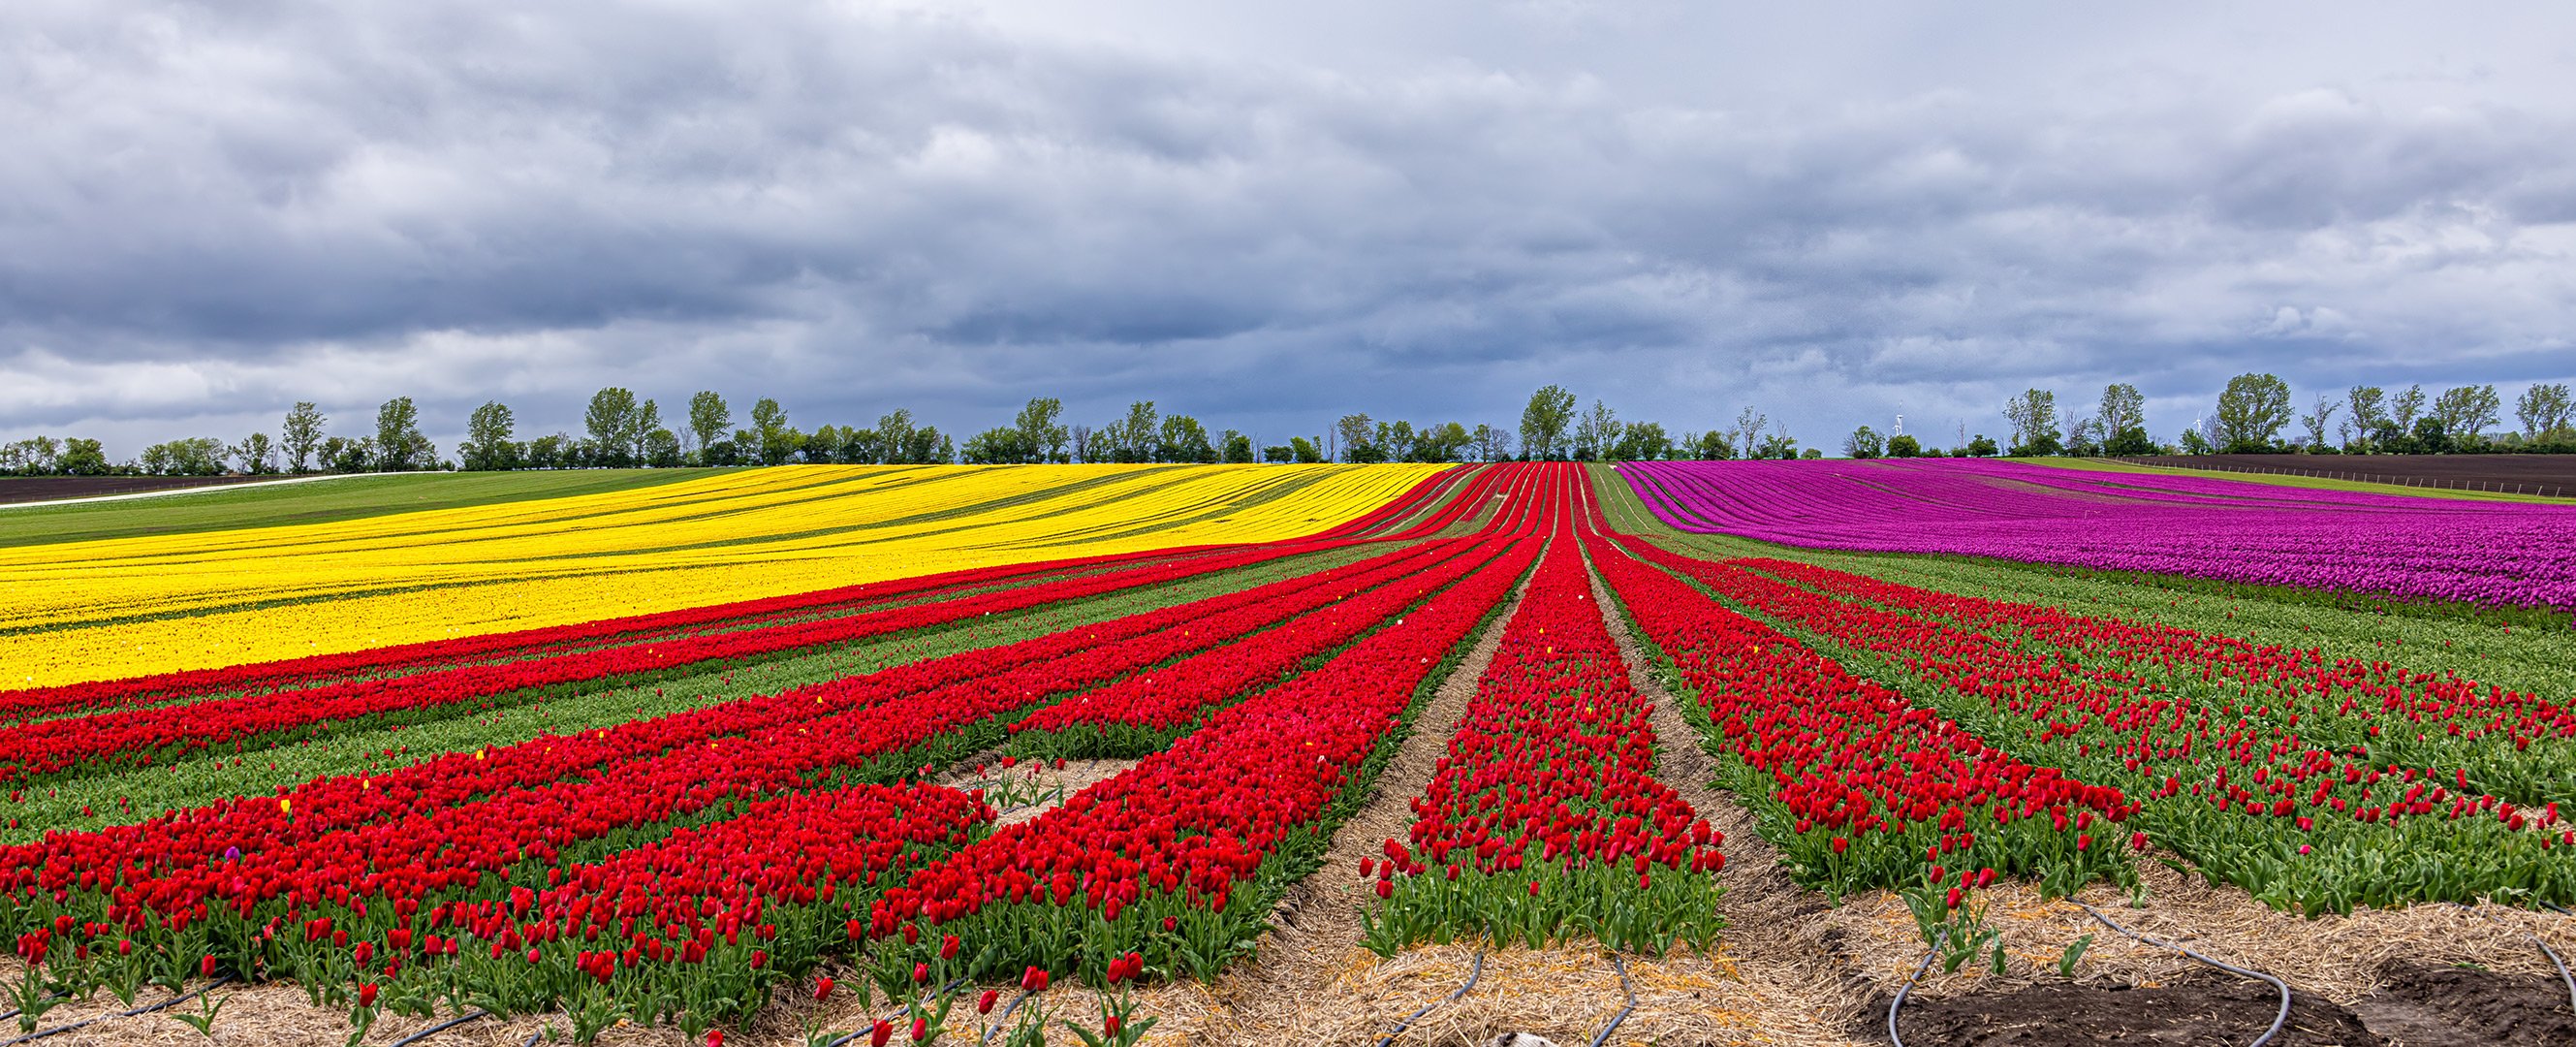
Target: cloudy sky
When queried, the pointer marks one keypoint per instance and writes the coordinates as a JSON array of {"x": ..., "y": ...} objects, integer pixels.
[{"x": 1269, "y": 214}]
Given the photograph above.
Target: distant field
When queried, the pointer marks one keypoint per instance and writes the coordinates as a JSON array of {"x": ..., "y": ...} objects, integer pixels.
[
  {"x": 2446, "y": 474},
  {"x": 15, "y": 489},
  {"x": 274, "y": 505}
]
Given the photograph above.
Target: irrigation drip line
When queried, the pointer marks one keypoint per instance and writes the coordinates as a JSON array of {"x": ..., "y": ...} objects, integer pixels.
[
  {"x": 2545, "y": 950},
  {"x": 1622, "y": 1016},
  {"x": 13, "y": 1012},
  {"x": 1475, "y": 970},
  {"x": 1006, "y": 1012},
  {"x": 441, "y": 1027},
  {"x": 2278, "y": 1020},
  {"x": 1901, "y": 990},
  {"x": 852, "y": 1037},
  {"x": 87, "y": 1022}
]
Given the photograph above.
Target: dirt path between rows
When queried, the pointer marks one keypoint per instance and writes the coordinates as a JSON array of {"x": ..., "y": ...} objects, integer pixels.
[{"x": 1312, "y": 982}]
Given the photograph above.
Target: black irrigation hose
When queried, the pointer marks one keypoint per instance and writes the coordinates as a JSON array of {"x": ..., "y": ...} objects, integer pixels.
[
  {"x": 1475, "y": 970},
  {"x": 87, "y": 1022},
  {"x": 1622, "y": 1016},
  {"x": 852, "y": 1037},
  {"x": 2545, "y": 950},
  {"x": 13, "y": 1012},
  {"x": 441, "y": 1027},
  {"x": 1908, "y": 987},
  {"x": 1006, "y": 1012},
  {"x": 2278, "y": 1020}
]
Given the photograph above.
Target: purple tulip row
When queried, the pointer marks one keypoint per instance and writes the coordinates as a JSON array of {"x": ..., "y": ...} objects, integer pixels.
[{"x": 2509, "y": 554}]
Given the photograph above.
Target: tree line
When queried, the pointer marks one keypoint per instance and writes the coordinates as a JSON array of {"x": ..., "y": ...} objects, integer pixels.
[
  {"x": 622, "y": 431},
  {"x": 2255, "y": 415}
]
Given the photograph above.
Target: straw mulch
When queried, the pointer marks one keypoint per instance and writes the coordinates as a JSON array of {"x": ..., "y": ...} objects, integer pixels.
[{"x": 2341, "y": 958}]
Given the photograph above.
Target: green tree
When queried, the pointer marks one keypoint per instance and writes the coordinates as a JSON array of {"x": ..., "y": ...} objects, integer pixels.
[
  {"x": 343, "y": 455},
  {"x": 2430, "y": 437},
  {"x": 1903, "y": 445},
  {"x": 639, "y": 432},
  {"x": 301, "y": 434},
  {"x": 1493, "y": 443},
  {"x": 1596, "y": 432},
  {"x": 897, "y": 433},
  {"x": 708, "y": 420},
  {"x": 1395, "y": 441},
  {"x": 1132, "y": 439},
  {"x": 2033, "y": 416},
  {"x": 1642, "y": 442},
  {"x": 1040, "y": 426},
  {"x": 1182, "y": 439},
  {"x": 487, "y": 443},
  {"x": 612, "y": 422},
  {"x": 2466, "y": 412},
  {"x": 547, "y": 452},
  {"x": 2403, "y": 407},
  {"x": 2123, "y": 408},
  {"x": 1275, "y": 453},
  {"x": 193, "y": 456},
  {"x": 1358, "y": 437},
  {"x": 399, "y": 445},
  {"x": 661, "y": 449},
  {"x": 1306, "y": 451},
  {"x": 1748, "y": 431},
  {"x": 256, "y": 453},
  {"x": 1544, "y": 423},
  {"x": 996, "y": 446},
  {"x": 1711, "y": 446},
  {"x": 33, "y": 456},
  {"x": 81, "y": 457},
  {"x": 1982, "y": 447},
  {"x": 2368, "y": 405},
  {"x": 1238, "y": 448},
  {"x": 1778, "y": 445},
  {"x": 1864, "y": 442},
  {"x": 2251, "y": 413},
  {"x": 2543, "y": 410},
  {"x": 2316, "y": 420},
  {"x": 1441, "y": 443},
  {"x": 768, "y": 443}
]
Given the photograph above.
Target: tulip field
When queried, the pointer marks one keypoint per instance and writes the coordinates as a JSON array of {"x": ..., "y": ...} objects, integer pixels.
[
  {"x": 677, "y": 759},
  {"x": 2407, "y": 547}
]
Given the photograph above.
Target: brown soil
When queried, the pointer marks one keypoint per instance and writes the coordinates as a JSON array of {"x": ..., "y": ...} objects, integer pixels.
[
  {"x": 2201, "y": 1012},
  {"x": 15, "y": 489},
  {"x": 2551, "y": 474},
  {"x": 2422, "y": 1005},
  {"x": 1031, "y": 788}
]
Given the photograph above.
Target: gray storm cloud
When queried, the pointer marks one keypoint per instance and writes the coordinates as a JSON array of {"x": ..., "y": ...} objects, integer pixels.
[{"x": 210, "y": 211}]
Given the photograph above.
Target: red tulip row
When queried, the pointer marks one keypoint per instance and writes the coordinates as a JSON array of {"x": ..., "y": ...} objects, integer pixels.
[
  {"x": 819, "y": 727},
  {"x": 710, "y": 915},
  {"x": 1146, "y": 712},
  {"x": 1177, "y": 858},
  {"x": 671, "y": 626},
  {"x": 2487, "y": 730},
  {"x": 2301, "y": 810},
  {"x": 1545, "y": 820},
  {"x": 144, "y": 736},
  {"x": 1856, "y": 786}
]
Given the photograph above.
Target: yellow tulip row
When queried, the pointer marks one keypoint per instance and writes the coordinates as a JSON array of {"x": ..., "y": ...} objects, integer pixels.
[{"x": 126, "y": 607}]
